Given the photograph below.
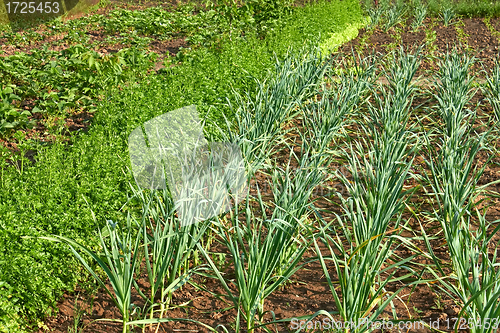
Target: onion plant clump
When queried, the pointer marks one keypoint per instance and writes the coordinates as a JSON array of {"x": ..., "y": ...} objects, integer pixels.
[
  {"x": 401, "y": 72},
  {"x": 292, "y": 192},
  {"x": 375, "y": 14},
  {"x": 168, "y": 247},
  {"x": 266, "y": 250},
  {"x": 363, "y": 242},
  {"x": 392, "y": 110},
  {"x": 393, "y": 144},
  {"x": 419, "y": 16},
  {"x": 259, "y": 119},
  {"x": 292, "y": 189},
  {"x": 454, "y": 180},
  {"x": 447, "y": 14},
  {"x": 118, "y": 260},
  {"x": 454, "y": 91},
  {"x": 324, "y": 119},
  {"x": 256, "y": 247},
  {"x": 393, "y": 16}
]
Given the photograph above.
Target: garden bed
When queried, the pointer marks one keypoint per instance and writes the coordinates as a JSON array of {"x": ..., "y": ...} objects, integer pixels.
[{"x": 307, "y": 291}]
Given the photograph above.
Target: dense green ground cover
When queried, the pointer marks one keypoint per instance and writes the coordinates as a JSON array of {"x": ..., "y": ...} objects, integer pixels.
[{"x": 69, "y": 184}]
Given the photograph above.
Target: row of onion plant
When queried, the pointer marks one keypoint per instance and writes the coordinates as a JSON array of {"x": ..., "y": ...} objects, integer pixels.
[
  {"x": 259, "y": 118},
  {"x": 454, "y": 180},
  {"x": 266, "y": 250}
]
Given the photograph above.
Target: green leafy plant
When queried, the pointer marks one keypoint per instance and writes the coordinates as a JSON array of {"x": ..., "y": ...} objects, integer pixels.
[
  {"x": 263, "y": 14},
  {"x": 60, "y": 82}
]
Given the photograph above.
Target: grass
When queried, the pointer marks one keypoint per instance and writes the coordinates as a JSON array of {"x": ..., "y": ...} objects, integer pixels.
[{"x": 71, "y": 184}]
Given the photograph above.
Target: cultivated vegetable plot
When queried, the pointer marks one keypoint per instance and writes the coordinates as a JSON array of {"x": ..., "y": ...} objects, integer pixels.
[
  {"x": 73, "y": 89},
  {"x": 375, "y": 241}
]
